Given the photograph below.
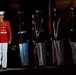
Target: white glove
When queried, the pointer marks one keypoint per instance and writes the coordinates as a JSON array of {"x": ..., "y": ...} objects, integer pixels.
[{"x": 51, "y": 39}]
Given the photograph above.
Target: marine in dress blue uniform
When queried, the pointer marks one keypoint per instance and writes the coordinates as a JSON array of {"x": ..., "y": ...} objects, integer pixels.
[
  {"x": 23, "y": 43},
  {"x": 72, "y": 33},
  {"x": 40, "y": 37},
  {"x": 58, "y": 36}
]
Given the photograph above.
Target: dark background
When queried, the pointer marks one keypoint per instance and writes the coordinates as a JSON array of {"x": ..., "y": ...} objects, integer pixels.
[
  {"x": 13, "y": 55},
  {"x": 11, "y": 14}
]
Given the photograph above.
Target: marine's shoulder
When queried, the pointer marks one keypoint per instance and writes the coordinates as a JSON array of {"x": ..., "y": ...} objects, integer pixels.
[{"x": 5, "y": 21}]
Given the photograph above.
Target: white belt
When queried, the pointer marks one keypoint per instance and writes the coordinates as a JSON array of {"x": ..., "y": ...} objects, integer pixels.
[
  {"x": 3, "y": 32},
  {"x": 21, "y": 32}
]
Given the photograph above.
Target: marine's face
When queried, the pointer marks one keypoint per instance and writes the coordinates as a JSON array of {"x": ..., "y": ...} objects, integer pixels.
[
  {"x": 55, "y": 14},
  {"x": 72, "y": 14},
  {"x": 1, "y": 17}
]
